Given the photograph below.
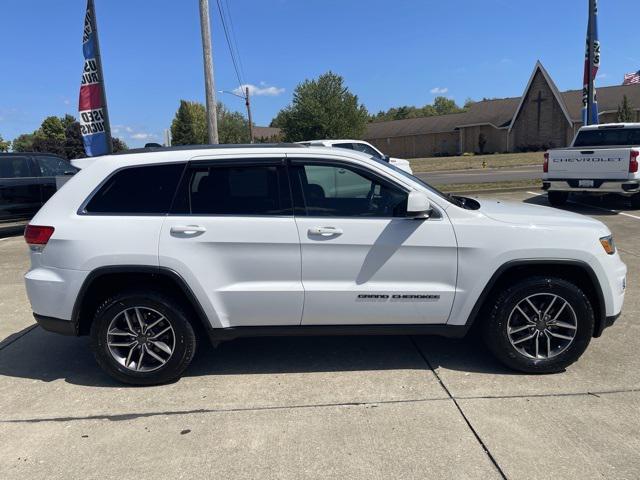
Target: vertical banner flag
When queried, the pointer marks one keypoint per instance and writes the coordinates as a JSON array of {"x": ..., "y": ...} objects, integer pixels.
[
  {"x": 94, "y": 120},
  {"x": 592, "y": 36}
]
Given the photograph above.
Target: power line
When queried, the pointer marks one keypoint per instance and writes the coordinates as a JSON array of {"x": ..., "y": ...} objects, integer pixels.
[
  {"x": 234, "y": 38},
  {"x": 227, "y": 37}
]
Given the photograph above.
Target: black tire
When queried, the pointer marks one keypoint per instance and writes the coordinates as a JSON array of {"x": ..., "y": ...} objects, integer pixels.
[
  {"x": 635, "y": 201},
  {"x": 558, "y": 199},
  {"x": 184, "y": 345},
  {"x": 495, "y": 327}
]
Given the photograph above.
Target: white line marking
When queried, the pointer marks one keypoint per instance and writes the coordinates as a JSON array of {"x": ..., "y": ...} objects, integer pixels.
[{"x": 594, "y": 206}]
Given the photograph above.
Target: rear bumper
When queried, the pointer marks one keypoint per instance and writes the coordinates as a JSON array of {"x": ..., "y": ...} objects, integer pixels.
[
  {"x": 622, "y": 187},
  {"x": 53, "y": 291},
  {"x": 56, "y": 325}
]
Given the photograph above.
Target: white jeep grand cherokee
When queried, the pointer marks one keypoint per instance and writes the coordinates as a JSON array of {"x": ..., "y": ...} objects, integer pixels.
[{"x": 149, "y": 252}]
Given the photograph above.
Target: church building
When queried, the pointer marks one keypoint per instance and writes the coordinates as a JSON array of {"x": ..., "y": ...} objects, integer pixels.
[{"x": 541, "y": 118}]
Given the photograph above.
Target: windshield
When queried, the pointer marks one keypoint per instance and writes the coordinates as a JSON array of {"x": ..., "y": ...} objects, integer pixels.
[{"x": 608, "y": 137}]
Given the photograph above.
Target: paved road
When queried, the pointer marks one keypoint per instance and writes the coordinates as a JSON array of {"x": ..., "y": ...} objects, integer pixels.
[
  {"x": 298, "y": 408},
  {"x": 486, "y": 175}
]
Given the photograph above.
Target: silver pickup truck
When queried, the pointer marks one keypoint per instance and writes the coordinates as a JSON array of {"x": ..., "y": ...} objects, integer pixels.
[{"x": 602, "y": 159}]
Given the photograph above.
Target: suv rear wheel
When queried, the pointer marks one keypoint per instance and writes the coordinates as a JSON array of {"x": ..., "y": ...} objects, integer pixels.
[
  {"x": 558, "y": 199},
  {"x": 142, "y": 338},
  {"x": 540, "y": 325}
]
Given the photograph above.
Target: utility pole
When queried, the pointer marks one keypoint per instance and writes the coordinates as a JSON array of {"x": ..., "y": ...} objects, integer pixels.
[
  {"x": 248, "y": 104},
  {"x": 209, "y": 84},
  {"x": 592, "y": 5}
]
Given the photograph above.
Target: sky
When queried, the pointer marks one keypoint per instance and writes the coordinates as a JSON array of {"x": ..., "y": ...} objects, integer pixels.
[{"x": 404, "y": 52}]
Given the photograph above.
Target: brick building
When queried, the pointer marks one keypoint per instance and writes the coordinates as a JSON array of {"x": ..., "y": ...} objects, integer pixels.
[{"x": 542, "y": 117}]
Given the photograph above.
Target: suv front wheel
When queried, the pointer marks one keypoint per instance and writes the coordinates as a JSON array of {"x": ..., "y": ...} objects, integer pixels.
[
  {"x": 539, "y": 325},
  {"x": 142, "y": 338}
]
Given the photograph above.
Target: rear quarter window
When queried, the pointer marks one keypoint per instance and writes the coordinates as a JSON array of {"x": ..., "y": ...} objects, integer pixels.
[
  {"x": 137, "y": 190},
  {"x": 608, "y": 137}
]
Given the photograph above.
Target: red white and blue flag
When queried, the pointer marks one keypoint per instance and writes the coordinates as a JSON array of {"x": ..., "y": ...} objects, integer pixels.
[
  {"x": 594, "y": 69},
  {"x": 631, "y": 78},
  {"x": 94, "y": 121}
]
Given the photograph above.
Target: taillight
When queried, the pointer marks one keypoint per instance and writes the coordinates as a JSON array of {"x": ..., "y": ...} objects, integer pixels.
[
  {"x": 37, "y": 234},
  {"x": 633, "y": 161},
  {"x": 545, "y": 165}
]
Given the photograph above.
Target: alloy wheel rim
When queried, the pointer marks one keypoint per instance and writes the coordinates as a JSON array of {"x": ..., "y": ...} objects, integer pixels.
[
  {"x": 141, "y": 339},
  {"x": 542, "y": 326}
]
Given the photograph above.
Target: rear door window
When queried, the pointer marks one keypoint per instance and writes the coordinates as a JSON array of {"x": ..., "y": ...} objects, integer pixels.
[
  {"x": 54, "y": 166},
  {"x": 137, "y": 190},
  {"x": 248, "y": 189},
  {"x": 14, "y": 167}
]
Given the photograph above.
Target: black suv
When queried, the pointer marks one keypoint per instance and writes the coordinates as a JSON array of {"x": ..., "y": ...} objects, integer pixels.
[{"x": 28, "y": 180}]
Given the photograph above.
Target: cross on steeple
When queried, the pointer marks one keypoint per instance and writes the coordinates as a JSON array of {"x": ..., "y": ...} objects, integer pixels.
[{"x": 539, "y": 101}]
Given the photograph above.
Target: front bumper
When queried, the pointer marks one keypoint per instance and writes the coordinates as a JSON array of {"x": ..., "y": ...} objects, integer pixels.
[{"x": 622, "y": 187}]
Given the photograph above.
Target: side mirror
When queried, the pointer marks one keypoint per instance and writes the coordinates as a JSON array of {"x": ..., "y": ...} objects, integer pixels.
[
  {"x": 386, "y": 158},
  {"x": 418, "y": 205}
]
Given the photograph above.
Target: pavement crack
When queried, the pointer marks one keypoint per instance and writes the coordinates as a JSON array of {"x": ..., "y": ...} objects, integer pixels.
[
  {"x": 134, "y": 416},
  {"x": 595, "y": 393},
  {"x": 455, "y": 402}
]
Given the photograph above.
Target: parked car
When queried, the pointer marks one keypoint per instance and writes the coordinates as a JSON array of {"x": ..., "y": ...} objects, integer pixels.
[
  {"x": 602, "y": 159},
  {"x": 364, "y": 147},
  {"x": 143, "y": 250},
  {"x": 28, "y": 180}
]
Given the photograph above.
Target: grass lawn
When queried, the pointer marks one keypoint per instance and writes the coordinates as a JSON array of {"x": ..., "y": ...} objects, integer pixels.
[
  {"x": 499, "y": 160},
  {"x": 479, "y": 187}
]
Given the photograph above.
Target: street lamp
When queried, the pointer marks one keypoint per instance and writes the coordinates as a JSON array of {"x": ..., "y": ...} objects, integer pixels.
[{"x": 247, "y": 102}]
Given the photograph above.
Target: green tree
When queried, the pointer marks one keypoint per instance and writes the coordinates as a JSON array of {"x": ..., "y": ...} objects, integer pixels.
[
  {"x": 52, "y": 128},
  {"x": 233, "y": 127},
  {"x": 23, "y": 143},
  {"x": 440, "y": 106},
  {"x": 4, "y": 145},
  {"x": 322, "y": 108},
  {"x": 444, "y": 106},
  {"x": 467, "y": 103},
  {"x": 189, "y": 126},
  {"x": 118, "y": 145},
  {"x": 625, "y": 112}
]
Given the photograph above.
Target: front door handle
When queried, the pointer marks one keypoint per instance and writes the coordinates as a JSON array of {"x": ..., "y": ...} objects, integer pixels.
[
  {"x": 325, "y": 231},
  {"x": 188, "y": 229}
]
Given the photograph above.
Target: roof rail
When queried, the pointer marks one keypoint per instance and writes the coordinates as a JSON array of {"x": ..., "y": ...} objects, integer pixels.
[{"x": 209, "y": 147}]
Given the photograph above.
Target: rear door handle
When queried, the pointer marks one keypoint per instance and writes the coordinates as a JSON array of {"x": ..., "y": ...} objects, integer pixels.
[
  {"x": 325, "y": 231},
  {"x": 188, "y": 229}
]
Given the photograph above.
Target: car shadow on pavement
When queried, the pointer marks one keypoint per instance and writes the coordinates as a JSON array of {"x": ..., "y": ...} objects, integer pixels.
[
  {"x": 47, "y": 357},
  {"x": 588, "y": 204}
]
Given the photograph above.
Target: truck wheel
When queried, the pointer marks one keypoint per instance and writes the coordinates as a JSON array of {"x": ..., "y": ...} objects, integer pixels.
[
  {"x": 558, "y": 199},
  {"x": 635, "y": 201},
  {"x": 142, "y": 338},
  {"x": 539, "y": 325}
]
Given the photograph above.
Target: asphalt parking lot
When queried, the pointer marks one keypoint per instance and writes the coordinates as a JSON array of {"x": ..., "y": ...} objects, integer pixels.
[{"x": 351, "y": 407}]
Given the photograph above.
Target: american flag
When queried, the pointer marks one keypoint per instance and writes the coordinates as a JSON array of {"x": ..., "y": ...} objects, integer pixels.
[{"x": 631, "y": 78}]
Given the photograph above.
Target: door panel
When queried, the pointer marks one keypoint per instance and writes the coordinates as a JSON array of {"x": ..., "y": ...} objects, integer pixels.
[
  {"x": 378, "y": 271},
  {"x": 372, "y": 265},
  {"x": 243, "y": 260}
]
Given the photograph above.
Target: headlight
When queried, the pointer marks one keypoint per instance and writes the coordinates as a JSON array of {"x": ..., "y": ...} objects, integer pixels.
[{"x": 608, "y": 244}]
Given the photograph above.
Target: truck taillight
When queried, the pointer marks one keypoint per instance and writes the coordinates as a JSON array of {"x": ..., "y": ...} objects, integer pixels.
[
  {"x": 545, "y": 165},
  {"x": 37, "y": 234},
  {"x": 633, "y": 161}
]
